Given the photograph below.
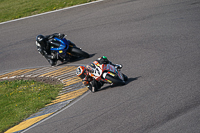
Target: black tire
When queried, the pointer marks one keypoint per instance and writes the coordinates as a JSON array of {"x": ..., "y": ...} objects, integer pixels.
[
  {"x": 125, "y": 77},
  {"x": 79, "y": 52},
  {"x": 114, "y": 80}
]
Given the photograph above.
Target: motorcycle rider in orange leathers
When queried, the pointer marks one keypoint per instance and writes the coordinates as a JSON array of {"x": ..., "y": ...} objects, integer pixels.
[{"x": 91, "y": 83}]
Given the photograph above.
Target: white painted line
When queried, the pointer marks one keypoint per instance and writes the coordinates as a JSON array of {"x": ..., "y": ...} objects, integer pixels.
[
  {"x": 57, "y": 112},
  {"x": 52, "y": 11}
]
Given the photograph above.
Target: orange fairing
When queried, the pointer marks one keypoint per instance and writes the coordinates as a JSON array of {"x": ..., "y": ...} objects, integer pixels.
[
  {"x": 92, "y": 75},
  {"x": 96, "y": 63}
]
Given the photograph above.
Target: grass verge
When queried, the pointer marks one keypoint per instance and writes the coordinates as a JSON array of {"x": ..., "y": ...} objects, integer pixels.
[
  {"x": 14, "y": 9},
  {"x": 21, "y": 98}
]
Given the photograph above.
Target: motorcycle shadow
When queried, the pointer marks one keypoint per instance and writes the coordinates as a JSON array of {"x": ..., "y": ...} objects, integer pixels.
[
  {"x": 112, "y": 86},
  {"x": 74, "y": 59}
]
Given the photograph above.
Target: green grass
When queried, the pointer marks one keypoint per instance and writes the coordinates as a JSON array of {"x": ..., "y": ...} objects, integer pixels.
[
  {"x": 14, "y": 9},
  {"x": 21, "y": 98}
]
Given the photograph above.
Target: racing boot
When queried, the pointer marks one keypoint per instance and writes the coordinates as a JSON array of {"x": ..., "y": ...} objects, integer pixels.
[
  {"x": 50, "y": 56},
  {"x": 51, "y": 59},
  {"x": 89, "y": 86},
  {"x": 94, "y": 86},
  {"x": 93, "y": 89},
  {"x": 52, "y": 62}
]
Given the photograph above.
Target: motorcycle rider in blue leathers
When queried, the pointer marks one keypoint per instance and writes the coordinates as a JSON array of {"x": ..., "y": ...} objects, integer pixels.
[{"x": 46, "y": 42}]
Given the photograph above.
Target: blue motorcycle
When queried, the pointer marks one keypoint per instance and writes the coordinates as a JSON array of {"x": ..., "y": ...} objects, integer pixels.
[{"x": 63, "y": 50}]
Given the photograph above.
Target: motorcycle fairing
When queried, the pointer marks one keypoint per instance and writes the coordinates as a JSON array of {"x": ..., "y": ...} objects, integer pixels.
[
  {"x": 63, "y": 46},
  {"x": 110, "y": 68},
  {"x": 98, "y": 70}
]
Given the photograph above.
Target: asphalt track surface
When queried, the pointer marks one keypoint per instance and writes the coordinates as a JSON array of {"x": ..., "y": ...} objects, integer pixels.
[{"x": 157, "y": 41}]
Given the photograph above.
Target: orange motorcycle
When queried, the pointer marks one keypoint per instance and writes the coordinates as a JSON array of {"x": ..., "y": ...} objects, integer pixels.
[{"x": 106, "y": 73}]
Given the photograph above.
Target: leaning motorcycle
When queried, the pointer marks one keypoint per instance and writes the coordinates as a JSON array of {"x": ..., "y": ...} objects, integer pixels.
[
  {"x": 106, "y": 73},
  {"x": 63, "y": 50}
]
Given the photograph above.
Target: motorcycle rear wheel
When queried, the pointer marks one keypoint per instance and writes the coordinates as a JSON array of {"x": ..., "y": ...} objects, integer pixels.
[{"x": 79, "y": 52}]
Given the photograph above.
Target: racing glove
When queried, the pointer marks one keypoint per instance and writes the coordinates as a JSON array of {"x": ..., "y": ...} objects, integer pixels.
[{"x": 118, "y": 66}]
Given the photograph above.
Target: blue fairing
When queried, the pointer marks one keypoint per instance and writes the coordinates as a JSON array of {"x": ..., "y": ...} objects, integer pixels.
[{"x": 63, "y": 46}]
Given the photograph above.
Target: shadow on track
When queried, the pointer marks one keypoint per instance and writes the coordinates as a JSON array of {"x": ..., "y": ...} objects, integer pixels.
[
  {"x": 74, "y": 59},
  {"x": 132, "y": 79}
]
